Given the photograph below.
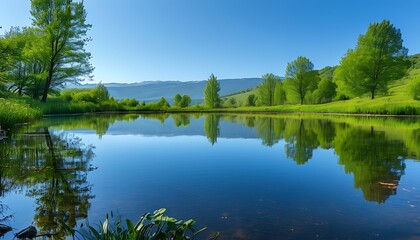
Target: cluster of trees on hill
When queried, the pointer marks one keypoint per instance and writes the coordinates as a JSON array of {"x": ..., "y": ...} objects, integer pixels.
[{"x": 378, "y": 58}]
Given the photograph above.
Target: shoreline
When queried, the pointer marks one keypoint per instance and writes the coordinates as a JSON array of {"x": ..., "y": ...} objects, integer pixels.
[{"x": 229, "y": 111}]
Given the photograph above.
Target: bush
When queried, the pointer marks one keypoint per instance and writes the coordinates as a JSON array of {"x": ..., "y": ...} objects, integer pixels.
[
  {"x": 250, "y": 100},
  {"x": 414, "y": 88},
  {"x": 150, "y": 226}
]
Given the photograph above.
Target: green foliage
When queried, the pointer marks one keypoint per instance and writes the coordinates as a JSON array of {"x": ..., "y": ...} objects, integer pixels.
[
  {"x": 231, "y": 103},
  {"x": 62, "y": 24},
  {"x": 130, "y": 102},
  {"x": 162, "y": 104},
  {"x": 414, "y": 87},
  {"x": 326, "y": 91},
  {"x": 250, "y": 100},
  {"x": 378, "y": 58},
  {"x": 13, "y": 112},
  {"x": 101, "y": 93},
  {"x": 150, "y": 226},
  {"x": 181, "y": 119},
  {"x": 211, "y": 127},
  {"x": 185, "y": 101},
  {"x": 23, "y": 68},
  {"x": 177, "y": 100},
  {"x": 266, "y": 89},
  {"x": 279, "y": 93},
  {"x": 211, "y": 92},
  {"x": 300, "y": 78}
]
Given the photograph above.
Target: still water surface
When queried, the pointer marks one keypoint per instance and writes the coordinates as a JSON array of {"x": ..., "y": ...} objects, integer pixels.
[{"x": 246, "y": 176}]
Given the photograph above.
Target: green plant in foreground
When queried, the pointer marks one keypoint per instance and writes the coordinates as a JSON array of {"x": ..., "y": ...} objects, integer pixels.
[{"x": 150, "y": 226}]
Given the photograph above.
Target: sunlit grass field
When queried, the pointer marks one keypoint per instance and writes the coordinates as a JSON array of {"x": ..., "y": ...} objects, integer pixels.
[{"x": 398, "y": 101}]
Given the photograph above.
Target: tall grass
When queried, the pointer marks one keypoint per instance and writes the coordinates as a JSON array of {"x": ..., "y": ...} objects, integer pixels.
[{"x": 16, "y": 111}]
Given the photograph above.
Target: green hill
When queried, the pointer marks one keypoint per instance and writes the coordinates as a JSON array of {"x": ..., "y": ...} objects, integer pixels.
[{"x": 397, "y": 101}]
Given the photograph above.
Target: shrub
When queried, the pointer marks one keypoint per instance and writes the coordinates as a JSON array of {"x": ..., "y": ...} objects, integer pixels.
[
  {"x": 150, "y": 226},
  {"x": 414, "y": 88}
]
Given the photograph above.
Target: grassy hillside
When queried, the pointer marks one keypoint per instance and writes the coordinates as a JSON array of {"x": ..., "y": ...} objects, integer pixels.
[{"x": 398, "y": 100}]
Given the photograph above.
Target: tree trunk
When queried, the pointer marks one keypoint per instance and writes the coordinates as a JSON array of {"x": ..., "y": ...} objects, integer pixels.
[
  {"x": 47, "y": 85},
  {"x": 372, "y": 94}
]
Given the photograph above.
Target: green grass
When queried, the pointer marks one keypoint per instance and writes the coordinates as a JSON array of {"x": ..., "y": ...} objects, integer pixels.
[
  {"x": 398, "y": 101},
  {"x": 16, "y": 111}
]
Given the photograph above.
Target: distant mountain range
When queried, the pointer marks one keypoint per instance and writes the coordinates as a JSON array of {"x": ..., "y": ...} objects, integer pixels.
[{"x": 154, "y": 90}]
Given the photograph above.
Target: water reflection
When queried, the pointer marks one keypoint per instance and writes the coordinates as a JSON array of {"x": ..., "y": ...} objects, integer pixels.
[
  {"x": 181, "y": 119},
  {"x": 211, "y": 127},
  {"x": 51, "y": 168},
  {"x": 375, "y": 161}
]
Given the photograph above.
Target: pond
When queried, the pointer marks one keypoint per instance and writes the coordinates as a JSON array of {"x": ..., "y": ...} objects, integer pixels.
[{"x": 245, "y": 176}]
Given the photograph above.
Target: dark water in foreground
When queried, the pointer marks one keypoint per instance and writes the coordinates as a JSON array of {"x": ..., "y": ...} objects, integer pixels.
[{"x": 248, "y": 177}]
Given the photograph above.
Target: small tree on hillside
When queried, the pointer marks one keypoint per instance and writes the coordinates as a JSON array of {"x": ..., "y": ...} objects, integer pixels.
[
  {"x": 251, "y": 100},
  {"x": 300, "y": 77},
  {"x": 266, "y": 89}
]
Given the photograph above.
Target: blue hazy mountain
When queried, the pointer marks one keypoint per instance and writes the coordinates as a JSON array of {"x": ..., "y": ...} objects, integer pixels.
[{"x": 154, "y": 90}]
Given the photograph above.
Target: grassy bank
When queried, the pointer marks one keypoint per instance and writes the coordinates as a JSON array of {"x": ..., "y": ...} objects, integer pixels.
[
  {"x": 20, "y": 111},
  {"x": 16, "y": 111},
  {"x": 355, "y": 106}
]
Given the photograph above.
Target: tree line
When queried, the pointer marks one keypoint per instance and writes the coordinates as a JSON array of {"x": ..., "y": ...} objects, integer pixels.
[
  {"x": 378, "y": 58},
  {"x": 39, "y": 60}
]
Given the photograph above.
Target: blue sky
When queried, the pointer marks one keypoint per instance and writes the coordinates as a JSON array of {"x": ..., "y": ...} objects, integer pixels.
[{"x": 146, "y": 40}]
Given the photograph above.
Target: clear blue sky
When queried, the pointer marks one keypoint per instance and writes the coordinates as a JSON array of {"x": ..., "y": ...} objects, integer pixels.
[{"x": 143, "y": 40}]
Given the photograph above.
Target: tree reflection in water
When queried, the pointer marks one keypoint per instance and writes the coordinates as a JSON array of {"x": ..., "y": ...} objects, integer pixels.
[
  {"x": 374, "y": 156},
  {"x": 52, "y": 168}
]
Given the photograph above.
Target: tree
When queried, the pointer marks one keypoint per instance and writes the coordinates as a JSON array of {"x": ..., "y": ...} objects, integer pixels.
[
  {"x": 162, "y": 103},
  {"x": 211, "y": 92},
  {"x": 185, "y": 101},
  {"x": 266, "y": 89},
  {"x": 62, "y": 24},
  {"x": 279, "y": 93},
  {"x": 250, "y": 100},
  {"x": 326, "y": 90},
  {"x": 177, "y": 99},
  {"x": 378, "y": 58},
  {"x": 300, "y": 77},
  {"x": 101, "y": 93}
]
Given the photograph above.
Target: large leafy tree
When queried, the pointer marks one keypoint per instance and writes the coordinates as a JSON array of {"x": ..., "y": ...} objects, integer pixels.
[
  {"x": 63, "y": 26},
  {"x": 378, "y": 58},
  {"x": 211, "y": 92},
  {"x": 266, "y": 89},
  {"x": 300, "y": 77}
]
